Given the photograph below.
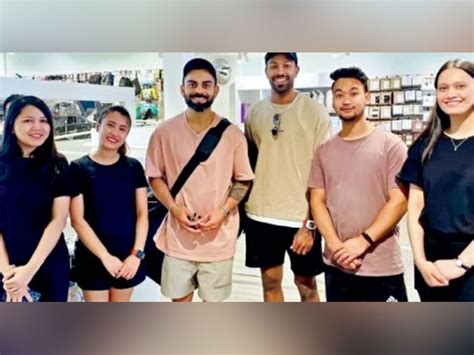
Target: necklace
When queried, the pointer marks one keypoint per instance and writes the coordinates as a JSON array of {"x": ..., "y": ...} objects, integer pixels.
[
  {"x": 456, "y": 146},
  {"x": 276, "y": 115},
  {"x": 286, "y": 108}
]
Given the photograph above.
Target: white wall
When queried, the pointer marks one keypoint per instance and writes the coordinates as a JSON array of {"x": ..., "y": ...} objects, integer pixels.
[
  {"x": 228, "y": 102},
  {"x": 32, "y": 64},
  {"x": 374, "y": 64},
  {"x": 173, "y": 64},
  {"x": 378, "y": 64},
  {"x": 225, "y": 102},
  {"x": 2, "y": 64},
  {"x": 57, "y": 90}
]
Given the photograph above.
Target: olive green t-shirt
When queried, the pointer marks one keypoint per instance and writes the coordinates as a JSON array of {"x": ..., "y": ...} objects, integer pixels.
[{"x": 278, "y": 194}]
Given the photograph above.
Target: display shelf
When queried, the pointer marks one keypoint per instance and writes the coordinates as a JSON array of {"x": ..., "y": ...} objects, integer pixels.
[{"x": 403, "y": 101}]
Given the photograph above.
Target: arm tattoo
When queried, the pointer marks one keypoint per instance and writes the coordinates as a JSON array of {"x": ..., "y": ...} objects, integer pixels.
[{"x": 239, "y": 190}]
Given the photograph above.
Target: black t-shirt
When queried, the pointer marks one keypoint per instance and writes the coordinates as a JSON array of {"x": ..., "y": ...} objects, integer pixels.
[
  {"x": 27, "y": 191},
  {"x": 109, "y": 199},
  {"x": 447, "y": 179}
]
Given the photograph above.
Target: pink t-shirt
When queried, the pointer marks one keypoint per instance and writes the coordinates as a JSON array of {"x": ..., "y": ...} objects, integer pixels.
[
  {"x": 356, "y": 176},
  {"x": 171, "y": 146}
]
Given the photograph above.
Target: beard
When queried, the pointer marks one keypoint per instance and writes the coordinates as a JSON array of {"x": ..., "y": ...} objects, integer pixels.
[
  {"x": 198, "y": 107},
  {"x": 351, "y": 117},
  {"x": 282, "y": 88},
  {"x": 348, "y": 118}
]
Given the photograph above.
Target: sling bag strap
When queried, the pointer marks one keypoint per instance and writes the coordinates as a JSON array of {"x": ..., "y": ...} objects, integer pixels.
[{"x": 203, "y": 152}]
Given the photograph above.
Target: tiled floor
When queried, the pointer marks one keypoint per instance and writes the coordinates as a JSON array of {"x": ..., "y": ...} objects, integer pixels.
[
  {"x": 247, "y": 284},
  {"x": 246, "y": 281}
]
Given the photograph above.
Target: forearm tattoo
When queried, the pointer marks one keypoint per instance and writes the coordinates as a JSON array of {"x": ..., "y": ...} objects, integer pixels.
[{"x": 239, "y": 190}]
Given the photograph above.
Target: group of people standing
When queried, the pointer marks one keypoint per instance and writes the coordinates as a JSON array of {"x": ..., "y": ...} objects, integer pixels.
[{"x": 299, "y": 186}]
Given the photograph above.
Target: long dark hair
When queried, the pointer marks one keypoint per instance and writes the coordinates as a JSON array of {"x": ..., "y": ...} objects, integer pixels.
[
  {"x": 9, "y": 100},
  {"x": 439, "y": 120},
  {"x": 123, "y": 111},
  {"x": 10, "y": 147}
]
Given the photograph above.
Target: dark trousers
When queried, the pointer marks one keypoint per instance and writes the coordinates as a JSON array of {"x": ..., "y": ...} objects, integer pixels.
[{"x": 345, "y": 287}]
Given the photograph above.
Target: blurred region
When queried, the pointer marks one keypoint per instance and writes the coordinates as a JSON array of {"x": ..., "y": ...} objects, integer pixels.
[{"x": 348, "y": 328}]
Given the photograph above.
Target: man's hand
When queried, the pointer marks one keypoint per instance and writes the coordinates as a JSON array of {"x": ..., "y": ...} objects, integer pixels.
[
  {"x": 337, "y": 248},
  {"x": 186, "y": 218},
  {"x": 212, "y": 220},
  {"x": 302, "y": 241},
  {"x": 352, "y": 249}
]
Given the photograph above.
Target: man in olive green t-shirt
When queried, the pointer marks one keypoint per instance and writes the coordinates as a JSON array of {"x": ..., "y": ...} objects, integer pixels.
[{"x": 285, "y": 129}]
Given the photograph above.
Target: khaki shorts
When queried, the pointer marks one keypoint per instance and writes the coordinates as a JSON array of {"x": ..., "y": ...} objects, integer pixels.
[{"x": 181, "y": 277}]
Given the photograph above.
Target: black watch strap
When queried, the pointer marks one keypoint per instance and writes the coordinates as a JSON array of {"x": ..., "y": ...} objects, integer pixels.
[
  {"x": 368, "y": 238},
  {"x": 461, "y": 264}
]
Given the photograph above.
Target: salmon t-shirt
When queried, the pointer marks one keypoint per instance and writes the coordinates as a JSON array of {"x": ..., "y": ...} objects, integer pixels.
[
  {"x": 356, "y": 176},
  {"x": 171, "y": 146}
]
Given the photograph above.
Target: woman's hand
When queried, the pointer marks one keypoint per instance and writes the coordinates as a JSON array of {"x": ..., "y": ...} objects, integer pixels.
[
  {"x": 129, "y": 267},
  {"x": 448, "y": 268},
  {"x": 112, "y": 264},
  {"x": 18, "y": 296},
  {"x": 17, "y": 278},
  {"x": 432, "y": 276}
]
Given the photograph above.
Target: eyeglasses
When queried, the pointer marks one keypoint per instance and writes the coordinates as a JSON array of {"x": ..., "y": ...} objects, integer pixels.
[{"x": 276, "y": 124}]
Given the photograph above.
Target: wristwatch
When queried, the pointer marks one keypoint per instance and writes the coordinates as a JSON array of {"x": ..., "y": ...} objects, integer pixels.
[
  {"x": 140, "y": 254},
  {"x": 309, "y": 224},
  {"x": 460, "y": 263}
]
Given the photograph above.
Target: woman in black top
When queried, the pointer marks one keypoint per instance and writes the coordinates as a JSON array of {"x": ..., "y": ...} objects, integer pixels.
[
  {"x": 109, "y": 213},
  {"x": 34, "y": 204},
  {"x": 440, "y": 171}
]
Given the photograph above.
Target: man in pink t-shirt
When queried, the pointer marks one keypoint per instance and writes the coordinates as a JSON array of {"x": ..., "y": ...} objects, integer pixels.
[
  {"x": 356, "y": 202},
  {"x": 199, "y": 234}
]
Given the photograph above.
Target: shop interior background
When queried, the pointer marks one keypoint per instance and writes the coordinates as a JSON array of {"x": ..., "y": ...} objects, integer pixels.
[
  {"x": 64, "y": 78},
  {"x": 77, "y": 86}
]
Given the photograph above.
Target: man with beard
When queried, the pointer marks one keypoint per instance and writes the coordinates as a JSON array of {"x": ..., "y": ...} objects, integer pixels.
[
  {"x": 285, "y": 130},
  {"x": 199, "y": 234},
  {"x": 356, "y": 201}
]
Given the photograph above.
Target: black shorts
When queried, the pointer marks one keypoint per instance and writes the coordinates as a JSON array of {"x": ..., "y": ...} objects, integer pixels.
[
  {"x": 266, "y": 245},
  {"x": 345, "y": 287},
  {"x": 91, "y": 275}
]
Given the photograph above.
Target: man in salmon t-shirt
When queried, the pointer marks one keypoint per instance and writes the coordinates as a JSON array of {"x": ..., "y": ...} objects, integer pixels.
[
  {"x": 356, "y": 201},
  {"x": 199, "y": 234}
]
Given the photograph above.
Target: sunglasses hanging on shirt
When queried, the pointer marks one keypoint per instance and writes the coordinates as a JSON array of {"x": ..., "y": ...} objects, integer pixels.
[
  {"x": 277, "y": 117},
  {"x": 276, "y": 124}
]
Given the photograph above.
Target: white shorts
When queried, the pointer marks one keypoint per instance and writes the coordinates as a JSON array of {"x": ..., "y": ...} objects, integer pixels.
[{"x": 181, "y": 277}]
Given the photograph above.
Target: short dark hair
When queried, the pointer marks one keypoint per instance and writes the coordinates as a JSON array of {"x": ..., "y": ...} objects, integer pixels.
[
  {"x": 290, "y": 55},
  {"x": 199, "y": 64},
  {"x": 351, "y": 72}
]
